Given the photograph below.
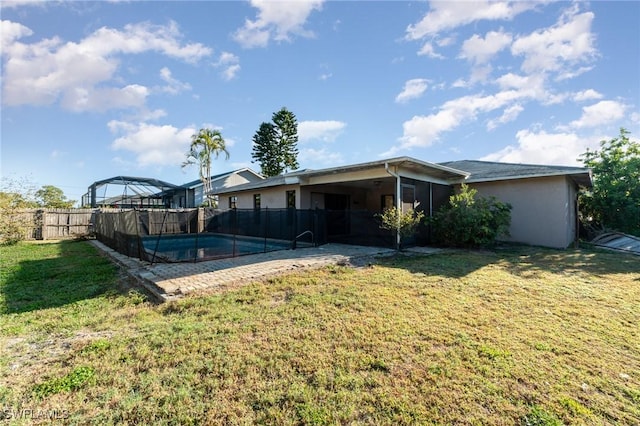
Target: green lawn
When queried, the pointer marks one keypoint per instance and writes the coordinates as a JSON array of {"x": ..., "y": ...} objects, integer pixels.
[{"x": 524, "y": 336}]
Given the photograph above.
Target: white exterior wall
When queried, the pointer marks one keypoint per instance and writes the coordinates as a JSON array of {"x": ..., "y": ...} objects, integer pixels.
[
  {"x": 273, "y": 198},
  {"x": 543, "y": 209}
]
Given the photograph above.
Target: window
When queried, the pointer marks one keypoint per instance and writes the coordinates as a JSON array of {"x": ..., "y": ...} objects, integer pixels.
[
  {"x": 387, "y": 202},
  {"x": 291, "y": 199},
  {"x": 408, "y": 197},
  {"x": 233, "y": 202},
  {"x": 256, "y": 201}
]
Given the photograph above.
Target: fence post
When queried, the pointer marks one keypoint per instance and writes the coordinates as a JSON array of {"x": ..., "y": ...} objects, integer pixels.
[{"x": 42, "y": 224}]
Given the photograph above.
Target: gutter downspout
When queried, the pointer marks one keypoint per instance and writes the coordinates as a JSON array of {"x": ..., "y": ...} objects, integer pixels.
[{"x": 398, "y": 200}]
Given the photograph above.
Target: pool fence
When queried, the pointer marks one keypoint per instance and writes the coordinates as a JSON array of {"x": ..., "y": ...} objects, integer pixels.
[{"x": 129, "y": 231}]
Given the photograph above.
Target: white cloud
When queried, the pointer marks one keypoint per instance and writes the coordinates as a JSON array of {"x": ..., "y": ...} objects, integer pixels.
[
  {"x": 230, "y": 65},
  {"x": 479, "y": 50},
  {"x": 174, "y": 86},
  {"x": 143, "y": 37},
  {"x": 603, "y": 112},
  {"x": 98, "y": 99},
  {"x": 587, "y": 95},
  {"x": 478, "y": 74},
  {"x": 152, "y": 144},
  {"x": 413, "y": 89},
  {"x": 320, "y": 157},
  {"x": 277, "y": 20},
  {"x": 19, "y": 3},
  {"x": 11, "y": 31},
  {"x": 326, "y": 131},
  {"x": 509, "y": 114},
  {"x": 566, "y": 43},
  {"x": 446, "y": 41},
  {"x": 568, "y": 74},
  {"x": 428, "y": 50},
  {"x": 529, "y": 86},
  {"x": 82, "y": 74},
  {"x": 424, "y": 131},
  {"x": 447, "y": 15},
  {"x": 543, "y": 148}
]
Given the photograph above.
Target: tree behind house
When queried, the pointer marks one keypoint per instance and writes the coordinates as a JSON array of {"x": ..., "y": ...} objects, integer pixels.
[
  {"x": 53, "y": 197},
  {"x": 275, "y": 144},
  {"x": 206, "y": 145},
  {"x": 614, "y": 200}
]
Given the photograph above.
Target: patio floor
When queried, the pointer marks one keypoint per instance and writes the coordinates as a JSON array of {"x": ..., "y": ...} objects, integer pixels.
[{"x": 168, "y": 281}]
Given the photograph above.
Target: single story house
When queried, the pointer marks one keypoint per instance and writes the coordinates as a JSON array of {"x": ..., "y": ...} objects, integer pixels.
[{"x": 544, "y": 198}]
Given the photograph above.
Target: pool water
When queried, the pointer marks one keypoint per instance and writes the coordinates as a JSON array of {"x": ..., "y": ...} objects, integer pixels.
[{"x": 193, "y": 247}]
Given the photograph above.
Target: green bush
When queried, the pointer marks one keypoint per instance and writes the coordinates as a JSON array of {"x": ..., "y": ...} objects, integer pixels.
[
  {"x": 470, "y": 221},
  {"x": 406, "y": 223}
]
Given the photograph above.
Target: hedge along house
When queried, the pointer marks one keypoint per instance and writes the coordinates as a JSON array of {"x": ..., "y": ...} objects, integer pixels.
[{"x": 544, "y": 198}]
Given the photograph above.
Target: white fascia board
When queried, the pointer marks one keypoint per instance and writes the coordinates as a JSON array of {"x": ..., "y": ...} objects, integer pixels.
[
  {"x": 291, "y": 180},
  {"x": 422, "y": 177},
  {"x": 530, "y": 176},
  {"x": 346, "y": 176}
]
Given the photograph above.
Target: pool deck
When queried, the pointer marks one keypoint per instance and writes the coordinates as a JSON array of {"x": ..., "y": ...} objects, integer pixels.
[{"x": 169, "y": 281}]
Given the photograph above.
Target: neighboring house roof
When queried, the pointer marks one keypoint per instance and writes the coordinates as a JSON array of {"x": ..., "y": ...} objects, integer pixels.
[
  {"x": 198, "y": 182},
  {"x": 298, "y": 177},
  {"x": 487, "y": 171}
]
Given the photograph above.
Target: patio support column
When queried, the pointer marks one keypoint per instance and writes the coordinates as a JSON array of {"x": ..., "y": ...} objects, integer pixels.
[{"x": 398, "y": 199}]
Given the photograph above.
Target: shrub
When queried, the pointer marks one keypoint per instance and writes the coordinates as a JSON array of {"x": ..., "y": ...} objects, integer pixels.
[
  {"x": 15, "y": 196},
  {"x": 14, "y": 223},
  {"x": 470, "y": 221},
  {"x": 394, "y": 219}
]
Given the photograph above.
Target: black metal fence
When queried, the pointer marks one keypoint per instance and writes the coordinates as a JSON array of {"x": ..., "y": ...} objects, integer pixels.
[{"x": 203, "y": 234}]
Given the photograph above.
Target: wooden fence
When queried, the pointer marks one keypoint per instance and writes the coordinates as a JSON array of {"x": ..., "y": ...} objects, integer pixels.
[{"x": 56, "y": 224}]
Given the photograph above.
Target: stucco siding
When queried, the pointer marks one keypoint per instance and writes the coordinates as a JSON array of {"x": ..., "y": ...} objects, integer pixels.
[
  {"x": 273, "y": 198},
  {"x": 543, "y": 209}
]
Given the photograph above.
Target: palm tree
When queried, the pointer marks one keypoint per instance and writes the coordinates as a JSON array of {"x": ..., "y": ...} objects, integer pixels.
[{"x": 205, "y": 145}]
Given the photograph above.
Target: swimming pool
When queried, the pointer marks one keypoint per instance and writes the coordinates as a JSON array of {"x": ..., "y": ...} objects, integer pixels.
[{"x": 196, "y": 247}]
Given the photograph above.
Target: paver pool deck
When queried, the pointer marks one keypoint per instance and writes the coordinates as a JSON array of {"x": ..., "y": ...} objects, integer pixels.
[{"x": 168, "y": 281}]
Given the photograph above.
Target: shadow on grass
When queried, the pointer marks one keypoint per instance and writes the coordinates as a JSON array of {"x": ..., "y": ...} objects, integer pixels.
[
  {"x": 48, "y": 275},
  {"x": 449, "y": 263},
  {"x": 523, "y": 260}
]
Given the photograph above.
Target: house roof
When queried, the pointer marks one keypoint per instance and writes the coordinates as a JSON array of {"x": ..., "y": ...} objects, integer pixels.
[
  {"x": 487, "y": 171},
  {"x": 432, "y": 169},
  {"x": 198, "y": 182},
  {"x": 299, "y": 176}
]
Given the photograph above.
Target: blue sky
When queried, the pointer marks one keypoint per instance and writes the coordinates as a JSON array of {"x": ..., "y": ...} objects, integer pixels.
[{"x": 92, "y": 90}]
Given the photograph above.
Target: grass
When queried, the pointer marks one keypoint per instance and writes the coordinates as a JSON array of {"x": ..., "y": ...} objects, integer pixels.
[{"x": 521, "y": 336}]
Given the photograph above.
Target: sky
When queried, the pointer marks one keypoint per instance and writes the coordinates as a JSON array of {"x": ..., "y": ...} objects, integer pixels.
[{"x": 93, "y": 90}]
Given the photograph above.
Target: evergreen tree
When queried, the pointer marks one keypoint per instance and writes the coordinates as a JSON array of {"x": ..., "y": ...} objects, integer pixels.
[{"x": 275, "y": 144}]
